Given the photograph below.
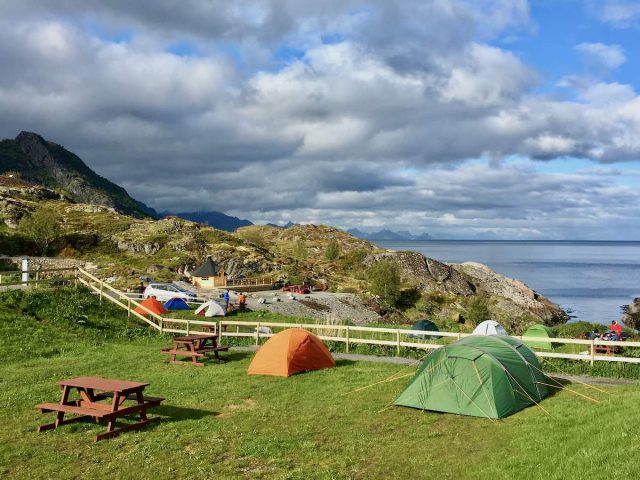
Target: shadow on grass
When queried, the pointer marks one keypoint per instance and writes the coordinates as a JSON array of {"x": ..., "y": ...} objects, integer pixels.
[
  {"x": 344, "y": 363},
  {"x": 556, "y": 384},
  {"x": 171, "y": 413}
]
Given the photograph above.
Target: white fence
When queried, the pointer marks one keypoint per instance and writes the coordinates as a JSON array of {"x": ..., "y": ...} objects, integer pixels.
[{"x": 348, "y": 334}]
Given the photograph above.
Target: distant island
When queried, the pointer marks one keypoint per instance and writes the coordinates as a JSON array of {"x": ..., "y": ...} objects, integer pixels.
[{"x": 389, "y": 235}]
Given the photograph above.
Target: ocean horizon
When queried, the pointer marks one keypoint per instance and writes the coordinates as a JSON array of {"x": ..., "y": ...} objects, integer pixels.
[{"x": 590, "y": 279}]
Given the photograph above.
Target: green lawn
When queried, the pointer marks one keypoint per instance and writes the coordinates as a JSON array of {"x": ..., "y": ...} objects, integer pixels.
[{"x": 219, "y": 422}]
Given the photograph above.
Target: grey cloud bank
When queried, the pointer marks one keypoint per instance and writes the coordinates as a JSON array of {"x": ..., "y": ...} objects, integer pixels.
[{"x": 358, "y": 114}]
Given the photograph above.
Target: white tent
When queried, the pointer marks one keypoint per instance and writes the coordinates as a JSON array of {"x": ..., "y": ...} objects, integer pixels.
[
  {"x": 210, "y": 309},
  {"x": 490, "y": 327}
]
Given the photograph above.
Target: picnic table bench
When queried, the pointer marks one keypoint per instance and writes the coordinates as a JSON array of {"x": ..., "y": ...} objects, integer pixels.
[
  {"x": 92, "y": 391},
  {"x": 194, "y": 346}
]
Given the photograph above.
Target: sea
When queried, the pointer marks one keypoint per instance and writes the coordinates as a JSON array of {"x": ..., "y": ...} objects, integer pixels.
[{"x": 591, "y": 280}]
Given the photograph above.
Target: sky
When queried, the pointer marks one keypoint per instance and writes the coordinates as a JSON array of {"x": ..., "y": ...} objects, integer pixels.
[{"x": 460, "y": 118}]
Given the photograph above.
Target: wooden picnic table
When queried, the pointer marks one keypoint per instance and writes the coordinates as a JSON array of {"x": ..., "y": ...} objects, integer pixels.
[
  {"x": 92, "y": 391},
  {"x": 194, "y": 346}
]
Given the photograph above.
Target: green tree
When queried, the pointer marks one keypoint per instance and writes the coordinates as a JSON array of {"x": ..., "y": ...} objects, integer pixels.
[
  {"x": 43, "y": 227},
  {"x": 477, "y": 309},
  {"x": 300, "y": 249},
  {"x": 332, "y": 251},
  {"x": 384, "y": 281}
]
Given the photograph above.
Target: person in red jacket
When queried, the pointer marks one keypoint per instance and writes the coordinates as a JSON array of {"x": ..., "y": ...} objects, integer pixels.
[{"x": 616, "y": 328}]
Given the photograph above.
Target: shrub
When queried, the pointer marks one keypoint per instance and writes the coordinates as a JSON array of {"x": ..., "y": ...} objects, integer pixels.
[
  {"x": 300, "y": 250},
  {"x": 43, "y": 227},
  {"x": 332, "y": 251},
  {"x": 477, "y": 309},
  {"x": 384, "y": 282}
]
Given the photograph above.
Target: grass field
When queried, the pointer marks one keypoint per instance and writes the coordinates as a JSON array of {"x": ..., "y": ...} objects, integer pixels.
[{"x": 217, "y": 421}]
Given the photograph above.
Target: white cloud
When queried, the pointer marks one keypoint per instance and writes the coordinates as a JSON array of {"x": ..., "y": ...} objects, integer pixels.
[
  {"x": 601, "y": 55},
  {"x": 371, "y": 129},
  {"x": 618, "y": 13}
]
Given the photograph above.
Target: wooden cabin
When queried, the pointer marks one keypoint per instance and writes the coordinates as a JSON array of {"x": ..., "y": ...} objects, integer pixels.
[{"x": 209, "y": 275}]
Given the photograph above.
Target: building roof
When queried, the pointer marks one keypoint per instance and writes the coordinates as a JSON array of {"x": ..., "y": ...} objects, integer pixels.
[{"x": 208, "y": 269}]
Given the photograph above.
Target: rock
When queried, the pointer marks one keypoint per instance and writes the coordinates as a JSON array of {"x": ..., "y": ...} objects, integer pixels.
[
  {"x": 430, "y": 275},
  {"x": 631, "y": 314}
]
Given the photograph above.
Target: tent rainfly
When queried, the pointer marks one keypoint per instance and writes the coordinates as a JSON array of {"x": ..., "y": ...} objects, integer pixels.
[
  {"x": 152, "y": 304},
  {"x": 489, "y": 327},
  {"x": 480, "y": 376},
  {"x": 289, "y": 352},
  {"x": 424, "y": 325},
  {"x": 176, "y": 303},
  {"x": 210, "y": 309},
  {"x": 540, "y": 331}
]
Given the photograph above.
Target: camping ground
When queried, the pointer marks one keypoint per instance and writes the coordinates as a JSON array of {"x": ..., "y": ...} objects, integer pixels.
[{"x": 219, "y": 421}]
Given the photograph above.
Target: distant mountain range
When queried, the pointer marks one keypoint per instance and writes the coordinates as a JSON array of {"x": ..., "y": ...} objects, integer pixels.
[
  {"x": 32, "y": 158},
  {"x": 388, "y": 235},
  {"x": 218, "y": 220}
]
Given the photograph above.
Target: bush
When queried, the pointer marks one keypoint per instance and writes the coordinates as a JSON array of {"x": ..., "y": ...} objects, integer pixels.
[
  {"x": 300, "y": 249},
  {"x": 477, "y": 309},
  {"x": 332, "y": 251},
  {"x": 42, "y": 227},
  {"x": 384, "y": 282}
]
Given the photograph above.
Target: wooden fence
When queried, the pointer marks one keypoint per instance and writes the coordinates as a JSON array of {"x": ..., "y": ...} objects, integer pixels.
[{"x": 397, "y": 338}]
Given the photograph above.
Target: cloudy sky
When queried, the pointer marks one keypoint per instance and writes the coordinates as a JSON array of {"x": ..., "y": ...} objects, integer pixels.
[{"x": 461, "y": 118}]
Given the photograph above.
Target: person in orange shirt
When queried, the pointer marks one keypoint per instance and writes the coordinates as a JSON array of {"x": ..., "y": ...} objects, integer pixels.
[
  {"x": 242, "y": 302},
  {"x": 616, "y": 328}
]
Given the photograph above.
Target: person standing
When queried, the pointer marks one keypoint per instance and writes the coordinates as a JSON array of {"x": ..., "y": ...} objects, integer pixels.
[
  {"x": 226, "y": 299},
  {"x": 617, "y": 329},
  {"x": 242, "y": 302}
]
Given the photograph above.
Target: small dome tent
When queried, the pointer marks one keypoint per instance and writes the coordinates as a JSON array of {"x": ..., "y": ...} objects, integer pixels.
[
  {"x": 489, "y": 327},
  {"x": 479, "y": 376},
  {"x": 424, "y": 325},
  {"x": 151, "y": 304},
  {"x": 176, "y": 304},
  {"x": 539, "y": 331},
  {"x": 289, "y": 352},
  {"x": 210, "y": 309}
]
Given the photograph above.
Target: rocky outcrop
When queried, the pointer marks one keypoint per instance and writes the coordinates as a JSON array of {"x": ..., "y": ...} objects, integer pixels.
[
  {"x": 428, "y": 274},
  {"x": 631, "y": 314},
  {"x": 513, "y": 296}
]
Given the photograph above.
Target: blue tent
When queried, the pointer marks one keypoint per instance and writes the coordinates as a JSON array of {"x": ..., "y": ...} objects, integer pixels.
[{"x": 176, "y": 304}]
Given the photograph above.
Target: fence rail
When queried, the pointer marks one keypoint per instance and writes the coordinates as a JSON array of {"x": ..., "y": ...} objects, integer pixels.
[{"x": 347, "y": 334}]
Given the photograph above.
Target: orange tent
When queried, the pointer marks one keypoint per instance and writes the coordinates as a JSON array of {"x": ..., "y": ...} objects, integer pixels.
[
  {"x": 152, "y": 304},
  {"x": 289, "y": 352}
]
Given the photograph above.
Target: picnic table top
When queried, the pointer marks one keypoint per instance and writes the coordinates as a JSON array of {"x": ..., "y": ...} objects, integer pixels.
[
  {"x": 191, "y": 338},
  {"x": 103, "y": 384}
]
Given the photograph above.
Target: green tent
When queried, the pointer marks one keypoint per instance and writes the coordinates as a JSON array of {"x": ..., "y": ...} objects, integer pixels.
[
  {"x": 426, "y": 326},
  {"x": 481, "y": 376},
  {"x": 538, "y": 331}
]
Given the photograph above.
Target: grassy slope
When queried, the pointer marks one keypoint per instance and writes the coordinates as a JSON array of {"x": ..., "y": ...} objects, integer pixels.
[{"x": 217, "y": 420}]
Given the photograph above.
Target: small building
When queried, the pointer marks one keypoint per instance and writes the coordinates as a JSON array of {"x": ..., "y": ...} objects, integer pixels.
[{"x": 209, "y": 275}]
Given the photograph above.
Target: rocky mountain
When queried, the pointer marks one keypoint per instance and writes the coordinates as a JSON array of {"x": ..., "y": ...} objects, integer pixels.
[
  {"x": 386, "y": 234},
  {"x": 217, "y": 220},
  {"x": 125, "y": 248},
  {"x": 32, "y": 158}
]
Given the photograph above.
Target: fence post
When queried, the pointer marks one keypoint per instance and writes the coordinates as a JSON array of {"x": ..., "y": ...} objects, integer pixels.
[
  {"x": 347, "y": 338},
  {"x": 593, "y": 351},
  {"x": 101, "y": 284},
  {"x": 258, "y": 334},
  {"x": 37, "y": 278},
  {"x": 128, "y": 306},
  {"x": 188, "y": 325},
  {"x": 398, "y": 339}
]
